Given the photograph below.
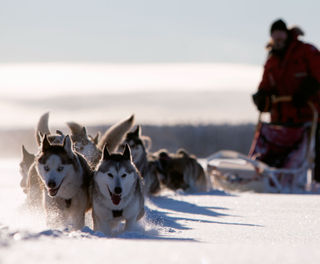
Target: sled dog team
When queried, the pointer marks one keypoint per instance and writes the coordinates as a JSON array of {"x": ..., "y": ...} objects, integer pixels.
[{"x": 110, "y": 175}]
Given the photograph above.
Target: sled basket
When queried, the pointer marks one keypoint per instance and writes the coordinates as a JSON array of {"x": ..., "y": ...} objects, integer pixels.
[{"x": 280, "y": 159}]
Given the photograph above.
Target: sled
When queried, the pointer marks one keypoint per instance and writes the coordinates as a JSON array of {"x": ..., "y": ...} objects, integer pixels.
[{"x": 281, "y": 159}]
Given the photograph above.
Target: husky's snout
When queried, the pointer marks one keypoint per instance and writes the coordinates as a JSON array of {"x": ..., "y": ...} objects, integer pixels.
[
  {"x": 53, "y": 188},
  {"x": 52, "y": 183},
  {"x": 116, "y": 195},
  {"x": 117, "y": 190}
]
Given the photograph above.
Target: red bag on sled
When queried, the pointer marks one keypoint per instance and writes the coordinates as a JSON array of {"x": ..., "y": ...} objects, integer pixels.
[{"x": 280, "y": 146}]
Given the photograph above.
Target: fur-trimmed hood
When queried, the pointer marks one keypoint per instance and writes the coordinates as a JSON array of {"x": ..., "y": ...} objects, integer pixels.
[{"x": 293, "y": 34}]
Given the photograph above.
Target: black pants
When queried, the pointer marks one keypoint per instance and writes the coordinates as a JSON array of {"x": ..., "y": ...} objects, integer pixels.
[{"x": 317, "y": 159}]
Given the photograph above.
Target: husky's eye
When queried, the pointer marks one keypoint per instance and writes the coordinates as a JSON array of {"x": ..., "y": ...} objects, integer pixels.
[
  {"x": 110, "y": 175},
  {"x": 46, "y": 168},
  {"x": 123, "y": 175},
  {"x": 60, "y": 168}
]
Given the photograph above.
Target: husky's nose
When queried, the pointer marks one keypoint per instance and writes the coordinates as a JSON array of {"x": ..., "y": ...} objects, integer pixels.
[
  {"x": 52, "y": 184},
  {"x": 117, "y": 190}
]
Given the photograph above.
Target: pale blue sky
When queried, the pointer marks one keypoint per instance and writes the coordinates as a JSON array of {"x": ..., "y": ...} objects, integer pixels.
[{"x": 137, "y": 31}]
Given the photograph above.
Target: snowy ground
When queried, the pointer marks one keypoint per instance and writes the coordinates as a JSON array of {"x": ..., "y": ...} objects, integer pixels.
[{"x": 205, "y": 228}]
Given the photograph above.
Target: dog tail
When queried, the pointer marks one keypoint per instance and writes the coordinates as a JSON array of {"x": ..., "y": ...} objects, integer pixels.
[
  {"x": 42, "y": 127},
  {"x": 78, "y": 131},
  {"x": 25, "y": 164},
  {"x": 75, "y": 127},
  {"x": 115, "y": 134}
]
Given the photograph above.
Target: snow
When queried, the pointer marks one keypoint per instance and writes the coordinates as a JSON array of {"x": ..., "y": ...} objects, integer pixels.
[{"x": 213, "y": 227}]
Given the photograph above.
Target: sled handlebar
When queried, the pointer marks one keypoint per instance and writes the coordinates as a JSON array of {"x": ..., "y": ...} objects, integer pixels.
[
  {"x": 280, "y": 99},
  {"x": 287, "y": 98}
]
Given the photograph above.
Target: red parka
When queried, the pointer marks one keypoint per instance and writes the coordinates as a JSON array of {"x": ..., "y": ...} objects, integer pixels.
[{"x": 283, "y": 77}]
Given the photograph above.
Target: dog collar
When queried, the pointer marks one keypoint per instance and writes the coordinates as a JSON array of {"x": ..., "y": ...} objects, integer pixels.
[{"x": 117, "y": 213}]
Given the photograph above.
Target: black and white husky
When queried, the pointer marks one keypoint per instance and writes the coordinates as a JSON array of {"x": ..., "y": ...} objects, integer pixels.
[
  {"x": 59, "y": 181},
  {"x": 146, "y": 164},
  {"x": 179, "y": 170},
  {"x": 182, "y": 170},
  {"x": 117, "y": 192}
]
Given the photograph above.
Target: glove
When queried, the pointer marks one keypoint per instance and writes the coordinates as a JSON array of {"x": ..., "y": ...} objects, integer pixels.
[
  {"x": 299, "y": 99},
  {"x": 262, "y": 100},
  {"x": 308, "y": 87}
]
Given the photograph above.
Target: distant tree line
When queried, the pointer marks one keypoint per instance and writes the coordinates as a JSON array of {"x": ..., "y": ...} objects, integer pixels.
[{"x": 201, "y": 140}]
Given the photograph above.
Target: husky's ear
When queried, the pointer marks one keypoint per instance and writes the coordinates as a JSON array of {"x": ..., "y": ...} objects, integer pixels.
[
  {"x": 106, "y": 155},
  {"x": 25, "y": 154},
  {"x": 84, "y": 132},
  {"x": 45, "y": 144},
  {"x": 137, "y": 131},
  {"x": 59, "y": 132},
  {"x": 96, "y": 138},
  {"x": 40, "y": 135},
  {"x": 67, "y": 144},
  {"x": 127, "y": 153}
]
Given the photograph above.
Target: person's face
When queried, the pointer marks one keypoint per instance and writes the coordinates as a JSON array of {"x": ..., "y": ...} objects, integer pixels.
[{"x": 279, "y": 38}]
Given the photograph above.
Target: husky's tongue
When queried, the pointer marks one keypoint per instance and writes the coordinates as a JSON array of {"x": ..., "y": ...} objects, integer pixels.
[
  {"x": 53, "y": 192},
  {"x": 116, "y": 198}
]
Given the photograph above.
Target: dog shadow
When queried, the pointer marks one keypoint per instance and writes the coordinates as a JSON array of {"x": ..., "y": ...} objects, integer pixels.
[{"x": 168, "y": 204}]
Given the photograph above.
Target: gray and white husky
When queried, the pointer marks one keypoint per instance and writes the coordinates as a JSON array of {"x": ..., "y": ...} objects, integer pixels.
[
  {"x": 84, "y": 143},
  {"x": 117, "y": 192},
  {"x": 91, "y": 147},
  {"x": 59, "y": 181}
]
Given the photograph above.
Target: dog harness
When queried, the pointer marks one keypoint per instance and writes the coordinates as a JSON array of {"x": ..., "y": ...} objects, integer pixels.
[{"x": 117, "y": 213}]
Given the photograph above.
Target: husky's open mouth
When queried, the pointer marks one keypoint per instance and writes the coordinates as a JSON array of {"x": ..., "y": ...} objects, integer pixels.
[
  {"x": 116, "y": 198},
  {"x": 53, "y": 191}
]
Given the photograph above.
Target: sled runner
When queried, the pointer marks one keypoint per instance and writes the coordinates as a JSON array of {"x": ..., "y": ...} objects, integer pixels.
[{"x": 281, "y": 159}]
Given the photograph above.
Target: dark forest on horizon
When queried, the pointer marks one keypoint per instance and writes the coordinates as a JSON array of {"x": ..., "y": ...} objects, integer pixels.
[{"x": 200, "y": 140}]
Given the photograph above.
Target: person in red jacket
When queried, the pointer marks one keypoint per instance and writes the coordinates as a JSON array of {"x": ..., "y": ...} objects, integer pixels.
[{"x": 292, "y": 69}]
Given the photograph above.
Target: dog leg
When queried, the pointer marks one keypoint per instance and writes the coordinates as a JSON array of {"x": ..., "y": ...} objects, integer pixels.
[
  {"x": 100, "y": 224},
  {"x": 77, "y": 220},
  {"x": 130, "y": 224}
]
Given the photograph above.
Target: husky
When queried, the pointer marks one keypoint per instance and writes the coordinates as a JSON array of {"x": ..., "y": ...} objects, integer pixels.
[
  {"x": 24, "y": 166},
  {"x": 182, "y": 171},
  {"x": 29, "y": 158},
  {"x": 91, "y": 147},
  {"x": 59, "y": 180},
  {"x": 145, "y": 163},
  {"x": 117, "y": 192},
  {"x": 84, "y": 143}
]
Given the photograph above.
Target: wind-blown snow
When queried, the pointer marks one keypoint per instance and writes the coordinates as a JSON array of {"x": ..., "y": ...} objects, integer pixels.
[{"x": 213, "y": 227}]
